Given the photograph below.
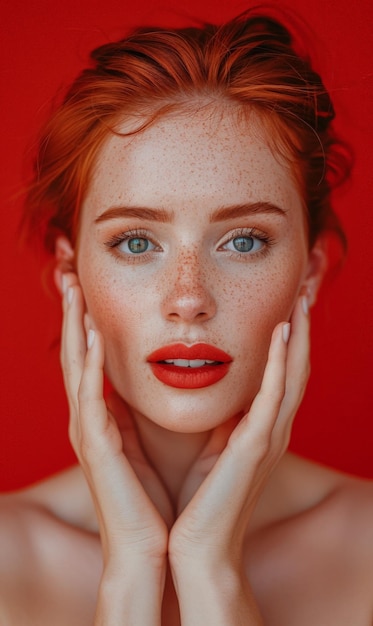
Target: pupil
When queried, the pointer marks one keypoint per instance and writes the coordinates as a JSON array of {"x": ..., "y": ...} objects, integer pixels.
[
  {"x": 138, "y": 244},
  {"x": 243, "y": 244}
]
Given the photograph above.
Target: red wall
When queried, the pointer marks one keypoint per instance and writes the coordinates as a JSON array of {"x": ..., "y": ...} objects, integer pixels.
[{"x": 45, "y": 44}]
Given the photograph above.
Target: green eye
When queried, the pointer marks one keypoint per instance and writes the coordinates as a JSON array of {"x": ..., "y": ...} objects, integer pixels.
[
  {"x": 243, "y": 244},
  {"x": 138, "y": 245},
  {"x": 132, "y": 243}
]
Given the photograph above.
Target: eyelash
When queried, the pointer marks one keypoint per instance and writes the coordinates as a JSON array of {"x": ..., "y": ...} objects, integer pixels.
[
  {"x": 267, "y": 241},
  {"x": 116, "y": 240},
  {"x": 249, "y": 232}
]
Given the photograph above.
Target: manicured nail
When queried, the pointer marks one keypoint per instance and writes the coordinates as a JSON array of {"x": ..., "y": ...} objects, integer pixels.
[
  {"x": 91, "y": 338},
  {"x": 286, "y": 332},
  {"x": 305, "y": 305}
]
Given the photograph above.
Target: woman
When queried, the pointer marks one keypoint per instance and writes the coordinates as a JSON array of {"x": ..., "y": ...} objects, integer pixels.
[{"x": 184, "y": 186}]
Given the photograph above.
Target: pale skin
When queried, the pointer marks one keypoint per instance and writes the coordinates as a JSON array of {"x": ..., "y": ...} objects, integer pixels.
[{"x": 185, "y": 507}]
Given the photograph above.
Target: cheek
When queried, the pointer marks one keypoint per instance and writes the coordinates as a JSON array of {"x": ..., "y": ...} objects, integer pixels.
[
  {"x": 126, "y": 308},
  {"x": 264, "y": 298},
  {"x": 253, "y": 308},
  {"x": 113, "y": 307},
  {"x": 121, "y": 306}
]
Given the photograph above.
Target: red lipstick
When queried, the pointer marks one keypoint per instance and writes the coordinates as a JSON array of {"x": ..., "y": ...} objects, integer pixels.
[{"x": 194, "y": 367}]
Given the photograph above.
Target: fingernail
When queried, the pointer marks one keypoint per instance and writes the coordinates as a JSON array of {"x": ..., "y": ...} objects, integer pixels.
[
  {"x": 69, "y": 295},
  {"x": 305, "y": 305},
  {"x": 90, "y": 338},
  {"x": 286, "y": 332}
]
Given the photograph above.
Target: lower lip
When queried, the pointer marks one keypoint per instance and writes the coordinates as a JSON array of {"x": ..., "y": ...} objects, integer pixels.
[{"x": 189, "y": 377}]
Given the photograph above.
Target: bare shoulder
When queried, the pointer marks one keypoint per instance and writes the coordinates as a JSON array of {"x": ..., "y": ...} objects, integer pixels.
[
  {"x": 339, "y": 508},
  {"x": 333, "y": 488},
  {"x": 64, "y": 495},
  {"x": 350, "y": 508},
  {"x": 313, "y": 542},
  {"x": 333, "y": 510},
  {"x": 319, "y": 490},
  {"x": 46, "y": 553}
]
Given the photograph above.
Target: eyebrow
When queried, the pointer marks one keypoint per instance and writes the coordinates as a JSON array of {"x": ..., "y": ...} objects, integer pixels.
[
  {"x": 163, "y": 216},
  {"x": 145, "y": 213},
  {"x": 241, "y": 210}
]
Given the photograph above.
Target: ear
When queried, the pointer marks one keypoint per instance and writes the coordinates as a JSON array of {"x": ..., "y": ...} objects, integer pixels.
[
  {"x": 65, "y": 260},
  {"x": 316, "y": 269}
]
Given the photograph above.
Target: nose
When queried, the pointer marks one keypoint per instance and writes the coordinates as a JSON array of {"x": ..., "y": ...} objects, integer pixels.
[{"x": 188, "y": 297}]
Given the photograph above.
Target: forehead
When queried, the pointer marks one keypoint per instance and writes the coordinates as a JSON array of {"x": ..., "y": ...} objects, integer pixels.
[{"x": 210, "y": 155}]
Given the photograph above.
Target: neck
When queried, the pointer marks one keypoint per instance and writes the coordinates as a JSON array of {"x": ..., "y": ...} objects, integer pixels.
[{"x": 170, "y": 453}]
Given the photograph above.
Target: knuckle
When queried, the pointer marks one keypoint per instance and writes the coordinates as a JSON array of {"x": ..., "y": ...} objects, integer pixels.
[
  {"x": 296, "y": 385},
  {"x": 87, "y": 451},
  {"x": 258, "y": 441},
  {"x": 90, "y": 445},
  {"x": 84, "y": 395},
  {"x": 273, "y": 397},
  {"x": 262, "y": 448},
  {"x": 92, "y": 439},
  {"x": 278, "y": 394}
]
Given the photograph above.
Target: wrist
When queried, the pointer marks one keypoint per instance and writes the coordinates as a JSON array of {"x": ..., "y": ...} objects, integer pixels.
[
  {"x": 213, "y": 574},
  {"x": 129, "y": 571},
  {"x": 123, "y": 589},
  {"x": 205, "y": 558},
  {"x": 221, "y": 595}
]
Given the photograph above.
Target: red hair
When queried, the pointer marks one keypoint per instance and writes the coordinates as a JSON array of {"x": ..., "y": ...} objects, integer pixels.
[{"x": 249, "y": 61}]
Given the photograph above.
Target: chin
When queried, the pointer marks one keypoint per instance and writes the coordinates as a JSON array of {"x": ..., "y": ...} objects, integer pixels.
[{"x": 191, "y": 413}]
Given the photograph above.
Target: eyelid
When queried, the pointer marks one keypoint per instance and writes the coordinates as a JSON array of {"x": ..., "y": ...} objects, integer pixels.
[
  {"x": 255, "y": 233},
  {"x": 117, "y": 239}
]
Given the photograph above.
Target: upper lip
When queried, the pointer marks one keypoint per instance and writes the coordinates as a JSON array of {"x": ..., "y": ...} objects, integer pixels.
[{"x": 202, "y": 351}]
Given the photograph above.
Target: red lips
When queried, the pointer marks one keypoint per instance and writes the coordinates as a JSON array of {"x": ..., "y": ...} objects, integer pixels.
[{"x": 189, "y": 375}]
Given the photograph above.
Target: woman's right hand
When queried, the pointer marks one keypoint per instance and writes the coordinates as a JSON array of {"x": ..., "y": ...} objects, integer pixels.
[{"x": 134, "y": 534}]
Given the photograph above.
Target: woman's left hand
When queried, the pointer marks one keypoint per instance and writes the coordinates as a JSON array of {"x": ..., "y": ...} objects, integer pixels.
[{"x": 229, "y": 476}]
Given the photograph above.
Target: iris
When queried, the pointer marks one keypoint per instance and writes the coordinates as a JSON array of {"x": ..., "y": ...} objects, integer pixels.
[
  {"x": 138, "y": 244},
  {"x": 243, "y": 244}
]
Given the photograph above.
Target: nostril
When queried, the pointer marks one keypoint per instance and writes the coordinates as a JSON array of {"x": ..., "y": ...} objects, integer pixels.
[
  {"x": 180, "y": 305},
  {"x": 188, "y": 315}
]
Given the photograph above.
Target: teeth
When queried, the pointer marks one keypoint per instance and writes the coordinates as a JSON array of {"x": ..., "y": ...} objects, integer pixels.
[
  {"x": 196, "y": 363},
  {"x": 188, "y": 363}
]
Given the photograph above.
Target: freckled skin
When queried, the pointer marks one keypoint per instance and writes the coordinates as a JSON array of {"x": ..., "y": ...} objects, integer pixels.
[{"x": 190, "y": 289}]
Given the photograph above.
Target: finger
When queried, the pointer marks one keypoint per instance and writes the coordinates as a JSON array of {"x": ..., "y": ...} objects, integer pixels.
[
  {"x": 131, "y": 442},
  {"x": 90, "y": 391},
  {"x": 232, "y": 475},
  {"x": 298, "y": 362},
  {"x": 73, "y": 344},
  {"x": 268, "y": 424},
  {"x": 256, "y": 427},
  {"x": 243, "y": 467},
  {"x": 99, "y": 438},
  {"x": 121, "y": 502},
  {"x": 136, "y": 456},
  {"x": 68, "y": 280},
  {"x": 100, "y": 435}
]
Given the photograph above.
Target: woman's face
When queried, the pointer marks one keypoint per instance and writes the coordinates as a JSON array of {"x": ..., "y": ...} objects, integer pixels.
[{"x": 192, "y": 233}]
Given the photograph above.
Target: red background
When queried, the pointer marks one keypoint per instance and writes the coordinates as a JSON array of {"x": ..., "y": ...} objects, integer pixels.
[{"x": 45, "y": 44}]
